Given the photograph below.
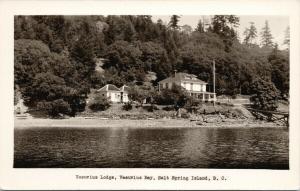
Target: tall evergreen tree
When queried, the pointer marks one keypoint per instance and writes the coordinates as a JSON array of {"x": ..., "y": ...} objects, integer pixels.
[
  {"x": 200, "y": 26},
  {"x": 287, "y": 37},
  {"x": 61, "y": 52},
  {"x": 266, "y": 36},
  {"x": 224, "y": 26},
  {"x": 250, "y": 34},
  {"x": 159, "y": 22},
  {"x": 173, "y": 24}
]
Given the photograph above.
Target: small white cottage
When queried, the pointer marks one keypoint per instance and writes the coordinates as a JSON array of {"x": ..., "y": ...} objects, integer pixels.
[{"x": 114, "y": 94}]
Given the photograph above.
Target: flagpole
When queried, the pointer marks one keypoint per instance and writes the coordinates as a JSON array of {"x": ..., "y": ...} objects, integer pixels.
[{"x": 214, "y": 80}]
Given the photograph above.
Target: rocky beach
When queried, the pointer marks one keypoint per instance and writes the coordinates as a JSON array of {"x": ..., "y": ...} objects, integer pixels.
[{"x": 86, "y": 122}]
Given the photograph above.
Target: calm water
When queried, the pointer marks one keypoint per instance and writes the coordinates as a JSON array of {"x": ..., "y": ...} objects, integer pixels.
[{"x": 151, "y": 148}]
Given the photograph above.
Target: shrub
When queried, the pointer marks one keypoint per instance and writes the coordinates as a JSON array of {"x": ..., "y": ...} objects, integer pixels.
[
  {"x": 99, "y": 104},
  {"x": 54, "y": 108},
  {"x": 185, "y": 115},
  {"x": 175, "y": 96},
  {"x": 168, "y": 108},
  {"x": 127, "y": 106},
  {"x": 265, "y": 95},
  {"x": 139, "y": 94},
  {"x": 192, "y": 104},
  {"x": 151, "y": 108}
]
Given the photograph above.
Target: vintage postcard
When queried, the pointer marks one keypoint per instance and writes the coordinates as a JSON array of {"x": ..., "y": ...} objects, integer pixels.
[{"x": 150, "y": 95}]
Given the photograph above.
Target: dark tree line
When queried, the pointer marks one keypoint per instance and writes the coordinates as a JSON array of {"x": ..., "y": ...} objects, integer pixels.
[{"x": 55, "y": 56}]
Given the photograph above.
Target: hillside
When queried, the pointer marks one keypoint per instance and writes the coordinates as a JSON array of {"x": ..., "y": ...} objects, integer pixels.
[{"x": 59, "y": 59}]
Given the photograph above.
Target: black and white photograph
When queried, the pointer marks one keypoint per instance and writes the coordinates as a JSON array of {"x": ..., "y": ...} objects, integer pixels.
[
  {"x": 148, "y": 91},
  {"x": 149, "y": 95}
]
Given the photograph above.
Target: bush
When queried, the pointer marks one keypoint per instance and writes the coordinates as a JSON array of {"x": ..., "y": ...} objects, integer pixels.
[
  {"x": 185, "y": 115},
  {"x": 265, "y": 95},
  {"x": 139, "y": 94},
  {"x": 151, "y": 108},
  {"x": 127, "y": 106},
  {"x": 192, "y": 104},
  {"x": 175, "y": 96},
  {"x": 54, "y": 108},
  {"x": 168, "y": 108},
  {"x": 99, "y": 104}
]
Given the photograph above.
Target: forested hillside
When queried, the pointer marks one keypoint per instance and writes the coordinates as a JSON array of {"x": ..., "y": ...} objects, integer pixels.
[{"x": 55, "y": 56}]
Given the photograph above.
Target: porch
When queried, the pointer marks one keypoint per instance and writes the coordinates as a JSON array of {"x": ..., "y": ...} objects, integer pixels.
[{"x": 204, "y": 96}]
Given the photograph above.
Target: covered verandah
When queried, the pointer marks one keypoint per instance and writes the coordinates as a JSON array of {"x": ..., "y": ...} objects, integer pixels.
[{"x": 204, "y": 96}]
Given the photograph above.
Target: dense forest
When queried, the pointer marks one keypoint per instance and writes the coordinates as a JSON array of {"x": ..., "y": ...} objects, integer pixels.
[{"x": 56, "y": 56}]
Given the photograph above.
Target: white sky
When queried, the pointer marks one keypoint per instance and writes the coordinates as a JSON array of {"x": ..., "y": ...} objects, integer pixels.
[{"x": 277, "y": 24}]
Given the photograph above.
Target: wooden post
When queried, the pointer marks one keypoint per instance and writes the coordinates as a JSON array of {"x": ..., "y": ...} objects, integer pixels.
[{"x": 214, "y": 80}]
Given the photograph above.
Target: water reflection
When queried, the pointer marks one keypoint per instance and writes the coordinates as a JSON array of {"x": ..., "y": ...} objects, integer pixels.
[{"x": 152, "y": 148}]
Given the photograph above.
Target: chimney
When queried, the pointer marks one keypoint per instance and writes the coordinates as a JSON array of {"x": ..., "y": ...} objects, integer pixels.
[{"x": 175, "y": 73}]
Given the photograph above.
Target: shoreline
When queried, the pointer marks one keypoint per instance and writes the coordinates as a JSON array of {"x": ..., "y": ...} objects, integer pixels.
[{"x": 82, "y": 122}]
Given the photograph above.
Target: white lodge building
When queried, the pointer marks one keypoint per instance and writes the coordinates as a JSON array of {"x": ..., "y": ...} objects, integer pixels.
[{"x": 190, "y": 82}]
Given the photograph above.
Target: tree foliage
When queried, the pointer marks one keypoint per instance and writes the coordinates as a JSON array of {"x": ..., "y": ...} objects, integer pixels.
[
  {"x": 250, "y": 35},
  {"x": 224, "y": 26},
  {"x": 99, "y": 103},
  {"x": 173, "y": 24},
  {"x": 44, "y": 77},
  {"x": 265, "y": 95},
  {"x": 287, "y": 37},
  {"x": 55, "y": 56},
  {"x": 176, "y": 96},
  {"x": 139, "y": 93},
  {"x": 127, "y": 106},
  {"x": 266, "y": 36},
  {"x": 200, "y": 27},
  {"x": 280, "y": 71},
  {"x": 54, "y": 108}
]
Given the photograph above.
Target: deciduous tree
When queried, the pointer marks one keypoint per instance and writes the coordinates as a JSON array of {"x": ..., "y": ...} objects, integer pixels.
[
  {"x": 139, "y": 93},
  {"x": 280, "y": 71}
]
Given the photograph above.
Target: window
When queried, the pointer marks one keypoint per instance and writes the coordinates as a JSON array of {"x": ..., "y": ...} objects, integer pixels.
[
  {"x": 167, "y": 85},
  {"x": 192, "y": 86}
]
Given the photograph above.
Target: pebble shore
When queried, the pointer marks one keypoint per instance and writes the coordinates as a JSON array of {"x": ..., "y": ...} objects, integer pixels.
[{"x": 81, "y": 122}]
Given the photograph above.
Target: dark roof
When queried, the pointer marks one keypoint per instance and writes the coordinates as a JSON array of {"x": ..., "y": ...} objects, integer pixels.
[{"x": 183, "y": 77}]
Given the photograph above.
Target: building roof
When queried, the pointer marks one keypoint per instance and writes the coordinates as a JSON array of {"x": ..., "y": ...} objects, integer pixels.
[
  {"x": 183, "y": 77},
  {"x": 108, "y": 87},
  {"x": 124, "y": 88},
  {"x": 111, "y": 87}
]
